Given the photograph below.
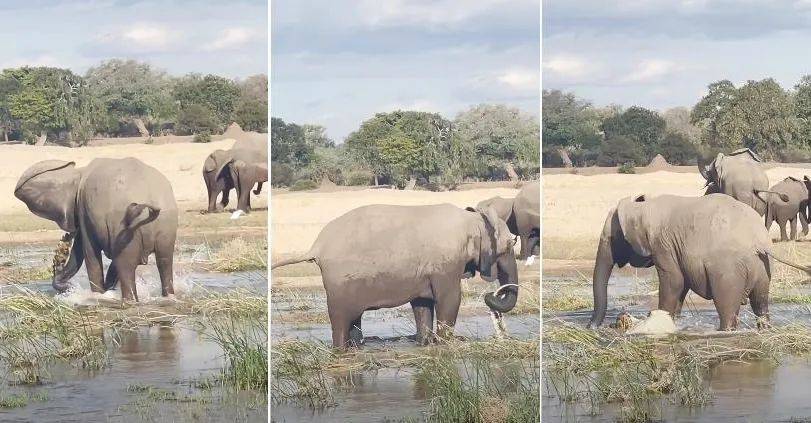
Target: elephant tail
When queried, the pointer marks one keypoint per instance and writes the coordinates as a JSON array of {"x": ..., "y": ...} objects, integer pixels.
[
  {"x": 783, "y": 197},
  {"x": 134, "y": 210},
  {"x": 805, "y": 269},
  {"x": 306, "y": 257}
]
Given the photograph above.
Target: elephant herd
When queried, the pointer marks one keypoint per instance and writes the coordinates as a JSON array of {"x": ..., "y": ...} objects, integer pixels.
[
  {"x": 126, "y": 210},
  {"x": 716, "y": 245},
  {"x": 382, "y": 256}
]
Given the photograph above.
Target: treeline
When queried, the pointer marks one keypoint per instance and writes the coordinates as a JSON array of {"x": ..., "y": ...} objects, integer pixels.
[
  {"x": 124, "y": 98},
  {"x": 760, "y": 115},
  {"x": 409, "y": 148}
]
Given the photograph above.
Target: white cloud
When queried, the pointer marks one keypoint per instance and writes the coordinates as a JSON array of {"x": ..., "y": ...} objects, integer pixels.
[
  {"x": 419, "y": 105},
  {"x": 231, "y": 38},
  {"x": 650, "y": 70},
  {"x": 520, "y": 79},
  {"x": 148, "y": 36},
  {"x": 427, "y": 12},
  {"x": 143, "y": 37},
  {"x": 40, "y": 60},
  {"x": 568, "y": 66}
]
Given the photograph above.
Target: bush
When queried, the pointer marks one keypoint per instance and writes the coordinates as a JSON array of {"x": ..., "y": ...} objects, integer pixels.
[
  {"x": 359, "y": 178},
  {"x": 195, "y": 119},
  {"x": 795, "y": 154},
  {"x": 303, "y": 185},
  {"x": 281, "y": 174},
  {"x": 252, "y": 115},
  {"x": 619, "y": 149},
  {"x": 204, "y": 136},
  {"x": 677, "y": 149},
  {"x": 627, "y": 168}
]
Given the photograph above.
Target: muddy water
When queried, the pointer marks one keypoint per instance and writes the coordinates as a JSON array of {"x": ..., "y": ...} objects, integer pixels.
[
  {"x": 386, "y": 393},
  {"x": 164, "y": 357},
  {"x": 759, "y": 391}
]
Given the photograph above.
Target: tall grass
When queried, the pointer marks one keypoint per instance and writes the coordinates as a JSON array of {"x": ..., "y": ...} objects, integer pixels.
[{"x": 240, "y": 255}]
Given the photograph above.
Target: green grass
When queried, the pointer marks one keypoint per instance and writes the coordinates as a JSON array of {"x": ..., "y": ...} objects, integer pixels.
[
  {"x": 240, "y": 255},
  {"x": 244, "y": 345}
]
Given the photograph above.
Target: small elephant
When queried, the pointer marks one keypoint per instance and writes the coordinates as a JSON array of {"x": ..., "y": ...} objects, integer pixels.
[
  {"x": 244, "y": 176},
  {"x": 120, "y": 207},
  {"x": 522, "y": 215},
  {"x": 712, "y": 245},
  {"x": 739, "y": 175},
  {"x": 787, "y": 212},
  {"x": 382, "y": 256},
  {"x": 218, "y": 175}
]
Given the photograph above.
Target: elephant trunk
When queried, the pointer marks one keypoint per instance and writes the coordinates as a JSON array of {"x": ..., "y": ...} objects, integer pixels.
[
  {"x": 504, "y": 299},
  {"x": 63, "y": 273},
  {"x": 603, "y": 266},
  {"x": 213, "y": 191}
]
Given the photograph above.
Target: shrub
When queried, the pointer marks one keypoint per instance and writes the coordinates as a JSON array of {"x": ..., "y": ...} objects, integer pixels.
[
  {"x": 359, "y": 178},
  {"x": 619, "y": 149},
  {"x": 194, "y": 119},
  {"x": 204, "y": 136},
  {"x": 281, "y": 174},
  {"x": 303, "y": 185},
  {"x": 627, "y": 168},
  {"x": 252, "y": 115},
  {"x": 677, "y": 149}
]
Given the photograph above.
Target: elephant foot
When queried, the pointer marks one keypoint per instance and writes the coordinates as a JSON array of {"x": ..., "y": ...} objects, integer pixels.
[{"x": 763, "y": 322}]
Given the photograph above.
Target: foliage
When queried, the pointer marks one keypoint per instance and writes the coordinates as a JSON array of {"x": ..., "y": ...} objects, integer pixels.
[
  {"x": 569, "y": 121},
  {"x": 281, "y": 174},
  {"x": 195, "y": 119},
  {"x": 204, "y": 136},
  {"x": 358, "y": 178},
  {"x": 642, "y": 126},
  {"x": 626, "y": 168},
  {"x": 619, "y": 150},
  {"x": 218, "y": 94},
  {"x": 316, "y": 136},
  {"x": 252, "y": 115},
  {"x": 288, "y": 144},
  {"x": 326, "y": 163},
  {"x": 494, "y": 135},
  {"x": 676, "y": 148},
  {"x": 303, "y": 185}
]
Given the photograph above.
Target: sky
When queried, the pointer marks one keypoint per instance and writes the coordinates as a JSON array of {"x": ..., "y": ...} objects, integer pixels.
[
  {"x": 338, "y": 62},
  {"x": 179, "y": 36},
  {"x": 660, "y": 54}
]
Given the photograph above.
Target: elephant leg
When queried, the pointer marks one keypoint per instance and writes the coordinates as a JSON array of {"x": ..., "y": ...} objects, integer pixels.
[
  {"x": 341, "y": 318},
  {"x": 447, "y": 298},
  {"x": 793, "y": 225},
  {"x": 680, "y": 304},
  {"x": 164, "y": 258},
  {"x": 244, "y": 201},
  {"x": 424, "y": 319},
  {"x": 782, "y": 224},
  {"x": 728, "y": 291},
  {"x": 93, "y": 264},
  {"x": 803, "y": 221},
  {"x": 524, "y": 247},
  {"x": 125, "y": 263},
  {"x": 356, "y": 332},
  {"x": 671, "y": 287},
  {"x": 224, "y": 201}
]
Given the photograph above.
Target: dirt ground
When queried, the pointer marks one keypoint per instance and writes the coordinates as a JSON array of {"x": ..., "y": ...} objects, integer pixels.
[
  {"x": 181, "y": 163},
  {"x": 575, "y": 207},
  {"x": 298, "y": 217}
]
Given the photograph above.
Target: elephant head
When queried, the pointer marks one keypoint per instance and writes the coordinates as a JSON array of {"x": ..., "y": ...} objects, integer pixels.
[
  {"x": 626, "y": 238},
  {"x": 710, "y": 173},
  {"x": 496, "y": 260},
  {"x": 216, "y": 178},
  {"x": 49, "y": 189},
  {"x": 504, "y": 209}
]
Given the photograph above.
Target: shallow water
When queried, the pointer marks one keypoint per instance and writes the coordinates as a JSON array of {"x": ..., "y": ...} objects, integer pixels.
[
  {"x": 161, "y": 357},
  {"x": 386, "y": 393},
  {"x": 759, "y": 391}
]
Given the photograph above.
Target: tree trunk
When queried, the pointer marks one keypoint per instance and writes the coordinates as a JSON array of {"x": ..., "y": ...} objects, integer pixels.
[
  {"x": 412, "y": 182},
  {"x": 564, "y": 156},
  {"x": 43, "y": 135},
  {"x": 375, "y": 179},
  {"x": 139, "y": 123},
  {"x": 511, "y": 171},
  {"x": 5, "y": 134}
]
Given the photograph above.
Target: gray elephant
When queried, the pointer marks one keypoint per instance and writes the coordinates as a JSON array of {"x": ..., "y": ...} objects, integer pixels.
[
  {"x": 219, "y": 177},
  {"x": 739, "y": 175},
  {"x": 120, "y": 207},
  {"x": 788, "y": 211},
  {"x": 382, "y": 256},
  {"x": 244, "y": 176},
  {"x": 712, "y": 245},
  {"x": 522, "y": 215}
]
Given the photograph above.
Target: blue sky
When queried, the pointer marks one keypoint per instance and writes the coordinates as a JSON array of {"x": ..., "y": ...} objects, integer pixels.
[
  {"x": 660, "y": 54},
  {"x": 338, "y": 62},
  {"x": 180, "y": 36}
]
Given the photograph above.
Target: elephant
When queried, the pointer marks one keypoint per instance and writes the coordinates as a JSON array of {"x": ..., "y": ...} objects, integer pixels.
[
  {"x": 787, "y": 212},
  {"x": 244, "y": 176},
  {"x": 712, "y": 245},
  {"x": 120, "y": 207},
  {"x": 739, "y": 175},
  {"x": 382, "y": 256},
  {"x": 218, "y": 175},
  {"x": 522, "y": 215}
]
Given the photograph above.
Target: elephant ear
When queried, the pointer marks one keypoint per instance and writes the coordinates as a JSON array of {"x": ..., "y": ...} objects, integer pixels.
[
  {"x": 49, "y": 189},
  {"x": 488, "y": 242},
  {"x": 217, "y": 160},
  {"x": 746, "y": 153},
  {"x": 634, "y": 218}
]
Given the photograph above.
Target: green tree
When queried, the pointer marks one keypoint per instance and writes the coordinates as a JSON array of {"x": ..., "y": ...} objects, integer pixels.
[
  {"x": 499, "y": 137},
  {"x": 802, "y": 107},
  {"x": 219, "y": 94},
  {"x": 677, "y": 119},
  {"x": 131, "y": 91},
  {"x": 677, "y": 149},
  {"x": 618, "y": 150},
  {"x": 569, "y": 124},
  {"x": 252, "y": 115},
  {"x": 642, "y": 126},
  {"x": 316, "y": 136},
  {"x": 195, "y": 119},
  {"x": 287, "y": 144}
]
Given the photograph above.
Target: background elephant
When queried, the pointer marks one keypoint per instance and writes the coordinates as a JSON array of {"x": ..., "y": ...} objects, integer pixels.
[
  {"x": 244, "y": 176},
  {"x": 382, "y": 256},
  {"x": 712, "y": 245},
  {"x": 218, "y": 176},
  {"x": 787, "y": 211},
  {"x": 120, "y": 207},
  {"x": 739, "y": 175},
  {"x": 522, "y": 215}
]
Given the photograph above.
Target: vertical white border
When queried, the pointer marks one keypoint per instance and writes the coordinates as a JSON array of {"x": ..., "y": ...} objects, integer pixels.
[
  {"x": 540, "y": 161},
  {"x": 270, "y": 191}
]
